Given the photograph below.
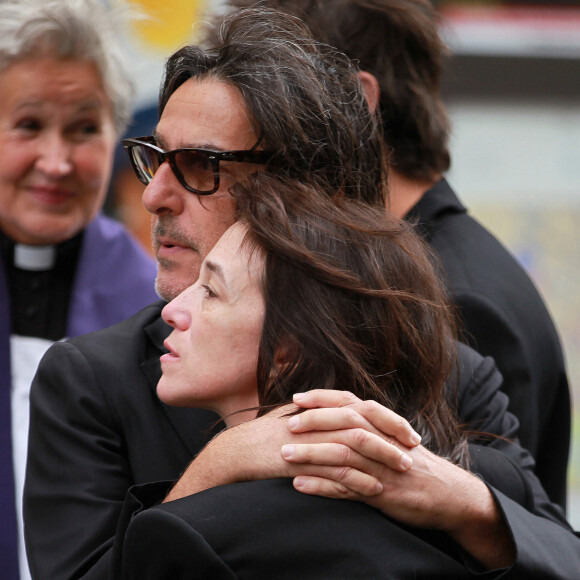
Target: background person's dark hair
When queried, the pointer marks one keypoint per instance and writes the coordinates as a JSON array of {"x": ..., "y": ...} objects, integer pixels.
[
  {"x": 398, "y": 42},
  {"x": 352, "y": 302},
  {"x": 304, "y": 99}
]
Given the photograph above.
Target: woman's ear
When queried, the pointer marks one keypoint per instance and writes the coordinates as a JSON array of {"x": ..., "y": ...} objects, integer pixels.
[
  {"x": 281, "y": 360},
  {"x": 371, "y": 89}
]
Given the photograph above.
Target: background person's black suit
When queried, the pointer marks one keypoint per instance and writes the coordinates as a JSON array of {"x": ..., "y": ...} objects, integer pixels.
[
  {"x": 505, "y": 318},
  {"x": 266, "y": 529},
  {"x": 98, "y": 428}
]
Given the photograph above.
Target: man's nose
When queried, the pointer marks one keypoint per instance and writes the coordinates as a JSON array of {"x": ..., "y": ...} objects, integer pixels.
[{"x": 164, "y": 195}]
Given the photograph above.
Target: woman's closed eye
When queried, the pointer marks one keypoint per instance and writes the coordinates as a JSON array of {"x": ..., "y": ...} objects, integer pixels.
[{"x": 208, "y": 291}]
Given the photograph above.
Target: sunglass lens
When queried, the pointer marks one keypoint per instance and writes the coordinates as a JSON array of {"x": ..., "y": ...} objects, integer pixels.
[
  {"x": 146, "y": 162},
  {"x": 196, "y": 169}
]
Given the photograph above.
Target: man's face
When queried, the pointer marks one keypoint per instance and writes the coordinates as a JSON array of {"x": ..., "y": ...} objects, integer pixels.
[{"x": 207, "y": 114}]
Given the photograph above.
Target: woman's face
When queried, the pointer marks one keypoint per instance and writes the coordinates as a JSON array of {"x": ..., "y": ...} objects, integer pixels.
[
  {"x": 56, "y": 148},
  {"x": 217, "y": 322}
]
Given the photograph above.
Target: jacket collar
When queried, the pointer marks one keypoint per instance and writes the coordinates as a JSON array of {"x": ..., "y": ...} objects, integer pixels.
[
  {"x": 157, "y": 331},
  {"x": 438, "y": 201}
]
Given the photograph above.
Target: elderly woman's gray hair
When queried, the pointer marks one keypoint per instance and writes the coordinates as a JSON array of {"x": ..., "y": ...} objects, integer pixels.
[{"x": 71, "y": 29}]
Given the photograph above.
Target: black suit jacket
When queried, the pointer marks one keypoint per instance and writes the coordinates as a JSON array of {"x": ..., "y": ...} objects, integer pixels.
[
  {"x": 505, "y": 318},
  {"x": 266, "y": 529},
  {"x": 97, "y": 428}
]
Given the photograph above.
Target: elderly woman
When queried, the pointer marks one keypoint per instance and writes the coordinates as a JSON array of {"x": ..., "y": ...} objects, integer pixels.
[
  {"x": 64, "y": 269},
  {"x": 304, "y": 292}
]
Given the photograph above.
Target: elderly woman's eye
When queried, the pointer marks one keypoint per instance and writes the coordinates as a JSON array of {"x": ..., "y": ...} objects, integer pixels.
[
  {"x": 28, "y": 124},
  {"x": 84, "y": 128},
  {"x": 89, "y": 129}
]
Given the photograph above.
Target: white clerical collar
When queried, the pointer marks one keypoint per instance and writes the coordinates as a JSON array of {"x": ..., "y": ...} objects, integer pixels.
[{"x": 34, "y": 258}]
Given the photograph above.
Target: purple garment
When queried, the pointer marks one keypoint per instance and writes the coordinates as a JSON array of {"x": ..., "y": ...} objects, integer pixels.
[
  {"x": 8, "y": 535},
  {"x": 115, "y": 278}
]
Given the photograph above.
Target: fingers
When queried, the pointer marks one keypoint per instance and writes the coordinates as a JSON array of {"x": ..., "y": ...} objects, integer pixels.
[
  {"x": 389, "y": 423},
  {"x": 355, "y": 448},
  {"x": 331, "y": 419},
  {"x": 325, "y": 398},
  {"x": 356, "y": 485},
  {"x": 368, "y": 415}
]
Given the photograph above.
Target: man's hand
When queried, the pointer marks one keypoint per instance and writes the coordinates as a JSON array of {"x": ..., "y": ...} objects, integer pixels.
[
  {"x": 342, "y": 447},
  {"x": 251, "y": 450},
  {"x": 432, "y": 494}
]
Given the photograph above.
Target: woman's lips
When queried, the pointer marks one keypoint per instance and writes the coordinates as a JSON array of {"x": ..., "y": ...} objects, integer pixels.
[
  {"x": 51, "y": 195},
  {"x": 172, "y": 354}
]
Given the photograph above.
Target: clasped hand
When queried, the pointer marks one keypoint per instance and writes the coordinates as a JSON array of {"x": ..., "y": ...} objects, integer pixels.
[{"x": 342, "y": 447}]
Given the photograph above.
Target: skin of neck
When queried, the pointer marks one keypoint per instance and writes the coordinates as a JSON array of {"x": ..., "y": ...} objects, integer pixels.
[
  {"x": 233, "y": 419},
  {"x": 405, "y": 192}
]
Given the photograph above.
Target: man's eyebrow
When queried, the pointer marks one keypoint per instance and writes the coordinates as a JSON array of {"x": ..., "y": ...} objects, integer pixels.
[
  {"x": 207, "y": 146},
  {"x": 158, "y": 139},
  {"x": 216, "y": 269}
]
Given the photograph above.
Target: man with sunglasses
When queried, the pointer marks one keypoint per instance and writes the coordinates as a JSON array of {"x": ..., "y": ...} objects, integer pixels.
[{"x": 269, "y": 99}]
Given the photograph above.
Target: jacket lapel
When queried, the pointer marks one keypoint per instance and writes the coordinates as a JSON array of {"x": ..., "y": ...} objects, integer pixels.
[{"x": 438, "y": 201}]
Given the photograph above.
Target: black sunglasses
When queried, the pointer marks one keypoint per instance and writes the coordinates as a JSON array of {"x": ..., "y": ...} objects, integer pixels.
[{"x": 198, "y": 170}]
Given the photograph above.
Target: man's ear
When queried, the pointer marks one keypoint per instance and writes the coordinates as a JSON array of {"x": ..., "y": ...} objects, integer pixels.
[{"x": 371, "y": 89}]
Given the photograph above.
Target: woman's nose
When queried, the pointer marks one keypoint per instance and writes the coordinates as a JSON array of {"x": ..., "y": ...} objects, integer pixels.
[
  {"x": 55, "y": 158},
  {"x": 175, "y": 313}
]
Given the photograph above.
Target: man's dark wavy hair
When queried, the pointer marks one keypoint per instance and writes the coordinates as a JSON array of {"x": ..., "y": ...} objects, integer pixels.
[
  {"x": 398, "y": 42},
  {"x": 303, "y": 98}
]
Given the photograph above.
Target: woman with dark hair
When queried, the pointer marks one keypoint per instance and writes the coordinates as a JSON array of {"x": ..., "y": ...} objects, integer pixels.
[
  {"x": 351, "y": 299},
  {"x": 303, "y": 292}
]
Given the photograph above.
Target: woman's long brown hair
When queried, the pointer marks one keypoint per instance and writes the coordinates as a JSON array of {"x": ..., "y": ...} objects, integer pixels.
[{"x": 353, "y": 302}]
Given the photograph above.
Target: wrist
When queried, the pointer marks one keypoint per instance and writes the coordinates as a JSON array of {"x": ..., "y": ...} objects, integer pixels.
[{"x": 482, "y": 530}]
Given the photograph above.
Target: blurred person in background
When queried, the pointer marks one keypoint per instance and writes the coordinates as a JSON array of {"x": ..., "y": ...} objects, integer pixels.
[
  {"x": 65, "y": 269},
  {"x": 125, "y": 190},
  {"x": 396, "y": 44}
]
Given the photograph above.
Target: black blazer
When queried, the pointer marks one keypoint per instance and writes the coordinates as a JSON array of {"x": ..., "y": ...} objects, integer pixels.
[
  {"x": 266, "y": 529},
  {"x": 505, "y": 318},
  {"x": 97, "y": 428}
]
